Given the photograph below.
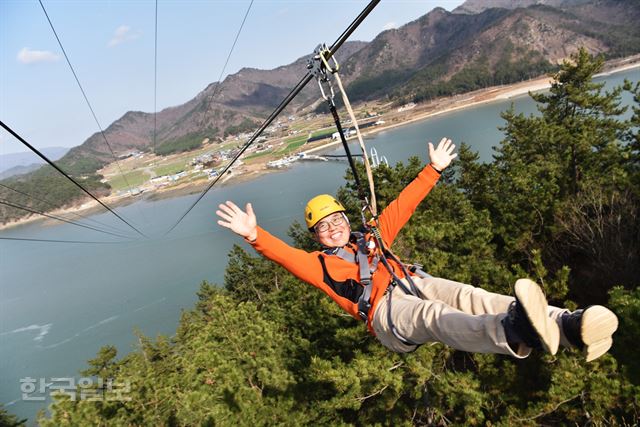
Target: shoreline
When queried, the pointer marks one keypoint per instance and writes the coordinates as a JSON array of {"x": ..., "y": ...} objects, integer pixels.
[{"x": 249, "y": 172}]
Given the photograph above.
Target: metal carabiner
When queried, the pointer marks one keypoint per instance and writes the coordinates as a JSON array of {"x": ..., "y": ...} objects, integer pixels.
[
  {"x": 319, "y": 67},
  {"x": 328, "y": 83},
  {"x": 322, "y": 52}
]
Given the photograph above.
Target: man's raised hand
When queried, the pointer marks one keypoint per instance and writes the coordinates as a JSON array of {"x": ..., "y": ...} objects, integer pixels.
[
  {"x": 443, "y": 154},
  {"x": 240, "y": 222}
]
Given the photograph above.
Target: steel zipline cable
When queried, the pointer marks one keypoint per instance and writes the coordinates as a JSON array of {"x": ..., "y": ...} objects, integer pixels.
[
  {"x": 43, "y": 157},
  {"x": 301, "y": 84},
  {"x": 38, "y": 199},
  {"x": 58, "y": 218},
  {"x": 73, "y": 71}
]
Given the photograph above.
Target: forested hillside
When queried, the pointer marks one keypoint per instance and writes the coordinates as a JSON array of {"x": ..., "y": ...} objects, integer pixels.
[{"x": 558, "y": 204}]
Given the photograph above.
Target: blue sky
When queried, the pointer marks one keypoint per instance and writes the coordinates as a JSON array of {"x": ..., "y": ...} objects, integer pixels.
[{"x": 111, "y": 46}]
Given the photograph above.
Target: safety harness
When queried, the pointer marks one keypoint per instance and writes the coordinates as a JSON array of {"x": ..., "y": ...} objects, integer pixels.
[
  {"x": 360, "y": 292},
  {"x": 362, "y": 295}
]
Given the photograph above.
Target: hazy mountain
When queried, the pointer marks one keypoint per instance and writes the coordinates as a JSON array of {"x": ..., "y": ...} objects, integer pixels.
[
  {"x": 13, "y": 160},
  {"x": 19, "y": 170}
]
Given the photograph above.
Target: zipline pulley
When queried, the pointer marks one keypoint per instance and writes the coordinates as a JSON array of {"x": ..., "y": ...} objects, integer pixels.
[{"x": 320, "y": 68}]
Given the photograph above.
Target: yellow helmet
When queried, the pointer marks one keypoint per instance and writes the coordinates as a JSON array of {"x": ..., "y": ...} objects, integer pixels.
[{"x": 319, "y": 207}]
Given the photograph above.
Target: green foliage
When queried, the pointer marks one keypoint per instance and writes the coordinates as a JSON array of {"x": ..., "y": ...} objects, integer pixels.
[
  {"x": 326, "y": 133},
  {"x": 429, "y": 83},
  {"x": 293, "y": 143},
  {"x": 47, "y": 190},
  {"x": 187, "y": 142},
  {"x": 364, "y": 87},
  {"x": 627, "y": 305},
  {"x": 266, "y": 349},
  {"x": 560, "y": 183},
  {"x": 246, "y": 125},
  {"x": 632, "y": 134},
  {"x": 102, "y": 364},
  {"x": 129, "y": 180},
  {"x": 9, "y": 420},
  {"x": 250, "y": 278},
  {"x": 80, "y": 165},
  {"x": 171, "y": 168}
]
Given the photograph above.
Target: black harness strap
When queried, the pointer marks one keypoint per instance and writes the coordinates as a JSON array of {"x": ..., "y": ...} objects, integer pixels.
[
  {"x": 364, "y": 302},
  {"x": 349, "y": 289},
  {"x": 360, "y": 292},
  {"x": 366, "y": 270}
]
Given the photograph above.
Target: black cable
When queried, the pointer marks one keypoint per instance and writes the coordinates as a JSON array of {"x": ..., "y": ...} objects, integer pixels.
[
  {"x": 56, "y": 207},
  {"x": 351, "y": 28},
  {"x": 257, "y": 133},
  {"x": 155, "y": 83},
  {"x": 43, "y": 157},
  {"x": 213, "y": 94},
  {"x": 86, "y": 98},
  {"x": 24, "y": 239},
  {"x": 301, "y": 84},
  {"x": 77, "y": 224}
]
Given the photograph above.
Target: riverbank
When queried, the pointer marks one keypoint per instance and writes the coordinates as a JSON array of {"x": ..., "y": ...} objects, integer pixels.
[{"x": 392, "y": 119}]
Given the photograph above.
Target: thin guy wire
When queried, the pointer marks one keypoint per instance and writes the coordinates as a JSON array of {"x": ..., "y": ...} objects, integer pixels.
[
  {"x": 43, "y": 157},
  {"x": 215, "y": 89},
  {"x": 104, "y": 136},
  {"x": 54, "y": 206},
  {"x": 77, "y": 224},
  {"x": 24, "y": 239}
]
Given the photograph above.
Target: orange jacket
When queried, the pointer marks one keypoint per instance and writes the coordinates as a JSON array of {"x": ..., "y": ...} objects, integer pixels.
[{"x": 307, "y": 266}]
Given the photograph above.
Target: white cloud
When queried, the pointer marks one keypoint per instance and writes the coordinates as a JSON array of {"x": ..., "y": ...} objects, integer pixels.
[
  {"x": 122, "y": 34},
  {"x": 29, "y": 56},
  {"x": 389, "y": 26}
]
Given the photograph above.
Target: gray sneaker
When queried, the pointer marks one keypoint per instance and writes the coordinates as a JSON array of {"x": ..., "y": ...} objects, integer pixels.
[
  {"x": 590, "y": 330},
  {"x": 528, "y": 321}
]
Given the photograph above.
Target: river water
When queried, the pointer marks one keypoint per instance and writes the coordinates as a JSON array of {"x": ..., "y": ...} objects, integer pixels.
[{"x": 59, "y": 303}]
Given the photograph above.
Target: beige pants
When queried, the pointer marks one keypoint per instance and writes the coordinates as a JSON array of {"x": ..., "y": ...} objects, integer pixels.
[{"x": 461, "y": 316}]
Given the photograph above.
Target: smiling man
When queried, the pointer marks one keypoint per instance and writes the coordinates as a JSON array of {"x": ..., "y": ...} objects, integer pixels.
[{"x": 404, "y": 308}]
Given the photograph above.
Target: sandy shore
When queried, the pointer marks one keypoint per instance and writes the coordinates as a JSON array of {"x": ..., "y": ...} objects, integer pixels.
[{"x": 421, "y": 112}]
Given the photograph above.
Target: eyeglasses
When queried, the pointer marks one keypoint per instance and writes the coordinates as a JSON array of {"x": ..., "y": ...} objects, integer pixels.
[{"x": 323, "y": 226}]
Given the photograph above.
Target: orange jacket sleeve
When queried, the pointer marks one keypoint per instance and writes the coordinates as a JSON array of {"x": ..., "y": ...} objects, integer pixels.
[
  {"x": 396, "y": 215},
  {"x": 306, "y": 266}
]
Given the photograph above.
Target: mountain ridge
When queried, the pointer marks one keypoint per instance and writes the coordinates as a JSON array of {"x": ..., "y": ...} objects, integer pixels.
[{"x": 395, "y": 63}]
